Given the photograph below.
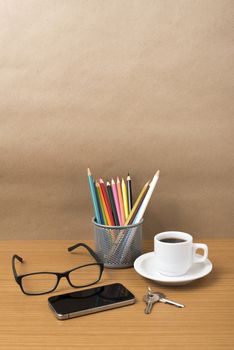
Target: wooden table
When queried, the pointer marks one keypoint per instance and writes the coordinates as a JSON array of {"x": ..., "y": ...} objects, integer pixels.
[{"x": 206, "y": 322}]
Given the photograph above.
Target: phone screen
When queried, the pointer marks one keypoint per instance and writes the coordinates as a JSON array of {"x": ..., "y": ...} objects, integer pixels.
[{"x": 90, "y": 298}]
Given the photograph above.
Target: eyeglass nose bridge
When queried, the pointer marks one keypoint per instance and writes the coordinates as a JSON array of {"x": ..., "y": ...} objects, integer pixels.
[{"x": 64, "y": 275}]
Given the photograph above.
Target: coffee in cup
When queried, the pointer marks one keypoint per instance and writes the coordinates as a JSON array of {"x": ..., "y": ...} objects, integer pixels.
[{"x": 175, "y": 252}]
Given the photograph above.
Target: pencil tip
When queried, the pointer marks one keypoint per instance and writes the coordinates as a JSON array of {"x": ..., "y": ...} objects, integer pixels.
[
  {"x": 108, "y": 184},
  {"x": 112, "y": 181},
  {"x": 101, "y": 181},
  {"x": 88, "y": 171},
  {"x": 157, "y": 173},
  {"x": 118, "y": 179}
]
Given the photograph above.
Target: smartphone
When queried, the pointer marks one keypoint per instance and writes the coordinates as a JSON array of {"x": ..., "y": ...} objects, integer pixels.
[{"x": 91, "y": 300}]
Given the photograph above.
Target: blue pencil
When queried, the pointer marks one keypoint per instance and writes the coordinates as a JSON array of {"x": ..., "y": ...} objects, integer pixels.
[{"x": 93, "y": 196}]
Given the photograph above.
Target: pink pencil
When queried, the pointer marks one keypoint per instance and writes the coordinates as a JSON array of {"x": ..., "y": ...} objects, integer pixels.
[
  {"x": 114, "y": 189},
  {"x": 121, "y": 206}
]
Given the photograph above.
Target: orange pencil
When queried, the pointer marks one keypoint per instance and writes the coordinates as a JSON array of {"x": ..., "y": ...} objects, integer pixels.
[
  {"x": 104, "y": 204},
  {"x": 103, "y": 189},
  {"x": 121, "y": 205},
  {"x": 101, "y": 203}
]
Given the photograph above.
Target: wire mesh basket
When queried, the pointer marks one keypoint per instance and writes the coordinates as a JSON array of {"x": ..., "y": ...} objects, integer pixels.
[{"x": 118, "y": 246}]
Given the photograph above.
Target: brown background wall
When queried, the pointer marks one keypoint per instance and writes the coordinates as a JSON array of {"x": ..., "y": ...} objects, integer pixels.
[{"x": 117, "y": 86}]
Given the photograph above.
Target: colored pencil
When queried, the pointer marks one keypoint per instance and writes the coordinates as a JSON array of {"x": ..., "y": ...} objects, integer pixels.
[
  {"x": 146, "y": 200},
  {"x": 112, "y": 203},
  {"x": 93, "y": 196},
  {"x": 138, "y": 202},
  {"x": 121, "y": 206},
  {"x": 138, "y": 206},
  {"x": 101, "y": 203},
  {"x": 103, "y": 189},
  {"x": 129, "y": 190},
  {"x": 105, "y": 207},
  {"x": 116, "y": 199},
  {"x": 125, "y": 198}
]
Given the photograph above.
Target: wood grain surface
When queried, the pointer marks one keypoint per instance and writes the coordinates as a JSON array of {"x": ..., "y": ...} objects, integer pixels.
[{"x": 206, "y": 322}]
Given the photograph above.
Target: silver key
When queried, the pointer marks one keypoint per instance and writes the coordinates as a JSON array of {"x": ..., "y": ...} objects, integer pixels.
[
  {"x": 150, "y": 299},
  {"x": 167, "y": 301},
  {"x": 162, "y": 299}
]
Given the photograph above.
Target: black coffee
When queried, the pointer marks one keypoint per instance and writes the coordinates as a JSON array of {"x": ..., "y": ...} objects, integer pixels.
[{"x": 172, "y": 240}]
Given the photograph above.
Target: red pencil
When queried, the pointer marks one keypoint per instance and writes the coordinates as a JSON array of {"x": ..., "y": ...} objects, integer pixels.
[{"x": 103, "y": 189}]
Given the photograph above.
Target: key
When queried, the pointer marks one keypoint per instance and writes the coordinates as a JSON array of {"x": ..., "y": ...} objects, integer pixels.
[
  {"x": 150, "y": 299},
  {"x": 167, "y": 301},
  {"x": 162, "y": 299}
]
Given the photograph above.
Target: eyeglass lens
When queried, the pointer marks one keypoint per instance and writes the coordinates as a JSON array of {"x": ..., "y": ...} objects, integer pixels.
[
  {"x": 85, "y": 275},
  {"x": 39, "y": 283}
]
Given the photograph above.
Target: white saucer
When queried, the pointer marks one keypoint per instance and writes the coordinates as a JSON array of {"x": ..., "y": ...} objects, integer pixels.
[{"x": 146, "y": 266}]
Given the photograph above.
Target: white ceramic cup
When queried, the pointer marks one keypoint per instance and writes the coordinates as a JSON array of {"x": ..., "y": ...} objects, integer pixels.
[{"x": 175, "y": 259}]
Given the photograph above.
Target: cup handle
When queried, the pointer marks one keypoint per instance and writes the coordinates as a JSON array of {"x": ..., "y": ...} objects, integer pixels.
[{"x": 198, "y": 259}]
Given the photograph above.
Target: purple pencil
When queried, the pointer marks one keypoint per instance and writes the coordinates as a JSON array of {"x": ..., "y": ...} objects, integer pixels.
[{"x": 114, "y": 189}]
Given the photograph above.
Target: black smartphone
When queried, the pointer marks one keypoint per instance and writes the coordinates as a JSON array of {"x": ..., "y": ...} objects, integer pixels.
[{"x": 91, "y": 300}]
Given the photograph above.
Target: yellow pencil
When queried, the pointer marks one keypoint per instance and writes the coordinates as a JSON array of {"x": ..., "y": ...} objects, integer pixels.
[
  {"x": 101, "y": 203},
  {"x": 120, "y": 197},
  {"x": 125, "y": 198},
  {"x": 137, "y": 203}
]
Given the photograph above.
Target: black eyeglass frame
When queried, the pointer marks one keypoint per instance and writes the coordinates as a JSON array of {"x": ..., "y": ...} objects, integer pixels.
[{"x": 59, "y": 275}]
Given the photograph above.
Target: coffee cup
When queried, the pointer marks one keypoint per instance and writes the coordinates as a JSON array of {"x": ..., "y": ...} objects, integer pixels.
[{"x": 175, "y": 252}]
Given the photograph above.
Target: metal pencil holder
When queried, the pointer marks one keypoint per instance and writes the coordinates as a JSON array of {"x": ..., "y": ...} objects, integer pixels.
[{"x": 118, "y": 246}]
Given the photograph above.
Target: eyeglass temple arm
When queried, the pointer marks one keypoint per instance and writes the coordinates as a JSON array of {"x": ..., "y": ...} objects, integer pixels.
[
  {"x": 13, "y": 264},
  {"x": 91, "y": 252}
]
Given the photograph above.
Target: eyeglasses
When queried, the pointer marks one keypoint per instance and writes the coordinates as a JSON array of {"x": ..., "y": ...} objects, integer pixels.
[{"x": 38, "y": 283}]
